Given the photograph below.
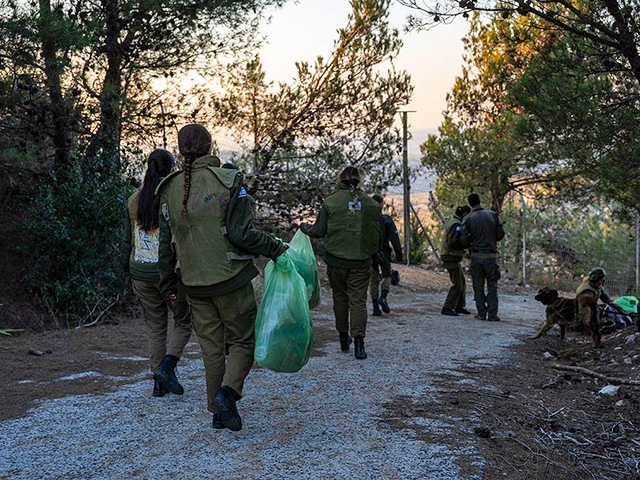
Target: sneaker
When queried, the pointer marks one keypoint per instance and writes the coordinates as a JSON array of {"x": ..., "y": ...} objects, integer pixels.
[
  {"x": 449, "y": 312},
  {"x": 463, "y": 311}
]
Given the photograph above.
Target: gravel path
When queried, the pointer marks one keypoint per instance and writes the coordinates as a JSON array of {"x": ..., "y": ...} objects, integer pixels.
[{"x": 324, "y": 422}]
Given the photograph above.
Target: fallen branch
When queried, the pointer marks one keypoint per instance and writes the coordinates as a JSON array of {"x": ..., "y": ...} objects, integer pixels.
[
  {"x": 591, "y": 373},
  {"x": 95, "y": 322}
]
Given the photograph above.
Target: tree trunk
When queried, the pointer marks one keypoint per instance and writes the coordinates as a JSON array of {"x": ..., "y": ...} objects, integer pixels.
[
  {"x": 47, "y": 26},
  {"x": 106, "y": 142}
]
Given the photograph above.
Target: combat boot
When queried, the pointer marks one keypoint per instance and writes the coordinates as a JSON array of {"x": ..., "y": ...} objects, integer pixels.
[
  {"x": 383, "y": 301},
  {"x": 358, "y": 345},
  {"x": 225, "y": 404},
  {"x": 217, "y": 423},
  {"x": 159, "y": 389},
  {"x": 166, "y": 374},
  {"x": 376, "y": 309},
  {"x": 345, "y": 341}
]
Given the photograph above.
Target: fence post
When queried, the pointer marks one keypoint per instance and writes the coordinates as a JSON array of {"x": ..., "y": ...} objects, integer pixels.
[
  {"x": 524, "y": 239},
  {"x": 406, "y": 187}
]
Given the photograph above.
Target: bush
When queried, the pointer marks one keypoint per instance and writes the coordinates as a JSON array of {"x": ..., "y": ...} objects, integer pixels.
[{"x": 74, "y": 240}]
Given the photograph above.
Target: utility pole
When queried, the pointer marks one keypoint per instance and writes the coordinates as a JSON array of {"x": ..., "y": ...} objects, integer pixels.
[
  {"x": 524, "y": 240},
  {"x": 406, "y": 185}
]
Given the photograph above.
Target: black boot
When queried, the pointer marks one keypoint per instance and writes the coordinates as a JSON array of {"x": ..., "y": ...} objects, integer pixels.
[
  {"x": 358, "y": 344},
  {"x": 345, "y": 341},
  {"x": 225, "y": 404},
  {"x": 167, "y": 375},
  {"x": 383, "y": 301},
  {"x": 159, "y": 389},
  {"x": 376, "y": 308},
  {"x": 217, "y": 423}
]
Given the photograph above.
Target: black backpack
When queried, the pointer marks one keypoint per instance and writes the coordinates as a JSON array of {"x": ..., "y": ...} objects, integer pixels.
[{"x": 455, "y": 237}]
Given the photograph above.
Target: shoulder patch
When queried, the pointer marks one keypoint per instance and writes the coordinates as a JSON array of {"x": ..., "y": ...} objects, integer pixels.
[
  {"x": 165, "y": 180},
  {"x": 243, "y": 193}
]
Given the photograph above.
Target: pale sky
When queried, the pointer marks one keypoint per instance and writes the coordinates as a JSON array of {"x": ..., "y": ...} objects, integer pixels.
[{"x": 307, "y": 28}]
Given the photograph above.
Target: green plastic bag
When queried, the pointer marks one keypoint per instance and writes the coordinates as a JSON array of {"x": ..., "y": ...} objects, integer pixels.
[
  {"x": 301, "y": 252},
  {"x": 628, "y": 304},
  {"x": 284, "y": 332}
]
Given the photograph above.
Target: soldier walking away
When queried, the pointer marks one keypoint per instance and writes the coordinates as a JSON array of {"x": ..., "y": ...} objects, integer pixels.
[
  {"x": 451, "y": 253},
  {"x": 482, "y": 230},
  {"x": 207, "y": 232},
  {"x": 593, "y": 286},
  {"x": 141, "y": 247},
  {"x": 381, "y": 261},
  {"x": 349, "y": 222}
]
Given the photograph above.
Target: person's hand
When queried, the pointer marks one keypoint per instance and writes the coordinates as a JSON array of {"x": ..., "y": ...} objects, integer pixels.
[{"x": 172, "y": 298}]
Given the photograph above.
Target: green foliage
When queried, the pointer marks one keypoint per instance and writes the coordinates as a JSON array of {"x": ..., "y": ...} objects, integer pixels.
[{"x": 74, "y": 234}]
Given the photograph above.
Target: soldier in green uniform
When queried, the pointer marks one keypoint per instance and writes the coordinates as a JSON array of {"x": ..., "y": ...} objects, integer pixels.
[
  {"x": 451, "y": 256},
  {"x": 207, "y": 232},
  {"x": 141, "y": 247},
  {"x": 482, "y": 230},
  {"x": 381, "y": 261},
  {"x": 349, "y": 222},
  {"x": 593, "y": 286}
]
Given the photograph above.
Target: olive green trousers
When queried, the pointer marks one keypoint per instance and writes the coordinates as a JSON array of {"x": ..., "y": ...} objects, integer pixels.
[
  {"x": 231, "y": 317},
  {"x": 156, "y": 317},
  {"x": 456, "y": 298},
  {"x": 349, "y": 286}
]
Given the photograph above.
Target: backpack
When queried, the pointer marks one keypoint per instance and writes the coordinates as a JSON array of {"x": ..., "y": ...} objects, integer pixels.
[{"x": 455, "y": 237}]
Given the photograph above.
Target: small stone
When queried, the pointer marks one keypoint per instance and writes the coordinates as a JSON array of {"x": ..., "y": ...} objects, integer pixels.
[
  {"x": 635, "y": 357},
  {"x": 511, "y": 435},
  {"x": 628, "y": 361},
  {"x": 547, "y": 356},
  {"x": 482, "y": 432},
  {"x": 611, "y": 390},
  {"x": 618, "y": 348},
  {"x": 620, "y": 403},
  {"x": 37, "y": 353},
  {"x": 633, "y": 338}
]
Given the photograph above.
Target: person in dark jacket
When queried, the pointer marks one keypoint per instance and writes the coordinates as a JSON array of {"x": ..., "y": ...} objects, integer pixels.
[
  {"x": 482, "y": 230},
  {"x": 451, "y": 256},
  {"x": 207, "y": 233},
  {"x": 141, "y": 246},
  {"x": 349, "y": 222},
  {"x": 381, "y": 261}
]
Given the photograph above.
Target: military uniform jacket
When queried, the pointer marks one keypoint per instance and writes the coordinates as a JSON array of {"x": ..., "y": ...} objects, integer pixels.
[
  {"x": 213, "y": 243},
  {"x": 389, "y": 238},
  {"x": 591, "y": 289},
  {"x": 141, "y": 247},
  {"x": 351, "y": 231},
  {"x": 483, "y": 230},
  {"x": 447, "y": 253}
]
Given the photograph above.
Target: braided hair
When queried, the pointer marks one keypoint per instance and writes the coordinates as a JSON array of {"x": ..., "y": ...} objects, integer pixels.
[
  {"x": 194, "y": 141},
  {"x": 159, "y": 165},
  {"x": 350, "y": 176}
]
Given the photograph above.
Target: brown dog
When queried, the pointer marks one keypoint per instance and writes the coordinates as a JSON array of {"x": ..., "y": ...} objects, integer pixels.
[{"x": 564, "y": 311}]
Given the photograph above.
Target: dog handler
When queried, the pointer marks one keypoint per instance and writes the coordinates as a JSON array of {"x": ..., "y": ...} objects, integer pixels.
[
  {"x": 456, "y": 300},
  {"x": 141, "y": 244},
  {"x": 482, "y": 230},
  {"x": 349, "y": 222},
  {"x": 381, "y": 261},
  {"x": 593, "y": 286},
  {"x": 206, "y": 230}
]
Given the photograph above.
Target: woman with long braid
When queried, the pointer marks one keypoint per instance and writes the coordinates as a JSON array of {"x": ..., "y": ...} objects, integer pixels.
[
  {"x": 142, "y": 244},
  {"x": 207, "y": 232},
  {"x": 349, "y": 223}
]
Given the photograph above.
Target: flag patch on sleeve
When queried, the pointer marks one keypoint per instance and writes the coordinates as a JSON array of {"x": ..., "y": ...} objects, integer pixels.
[{"x": 243, "y": 193}]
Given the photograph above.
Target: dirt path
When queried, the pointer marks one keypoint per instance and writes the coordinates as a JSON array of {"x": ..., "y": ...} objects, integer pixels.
[{"x": 337, "y": 418}]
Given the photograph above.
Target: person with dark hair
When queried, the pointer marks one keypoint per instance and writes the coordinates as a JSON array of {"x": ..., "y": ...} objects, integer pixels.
[
  {"x": 349, "y": 222},
  {"x": 481, "y": 231},
  {"x": 381, "y": 261},
  {"x": 207, "y": 231},
  {"x": 451, "y": 253},
  {"x": 141, "y": 244}
]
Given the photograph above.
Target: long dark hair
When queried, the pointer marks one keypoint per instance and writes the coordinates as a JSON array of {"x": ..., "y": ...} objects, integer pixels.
[
  {"x": 194, "y": 141},
  {"x": 159, "y": 165}
]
